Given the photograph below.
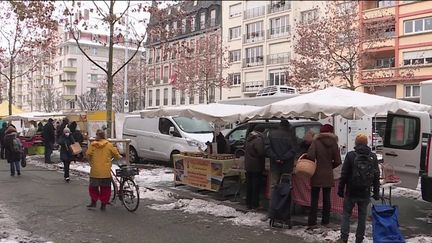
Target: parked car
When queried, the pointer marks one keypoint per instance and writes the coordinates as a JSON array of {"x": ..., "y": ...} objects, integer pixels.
[
  {"x": 237, "y": 136},
  {"x": 160, "y": 138},
  {"x": 377, "y": 140}
]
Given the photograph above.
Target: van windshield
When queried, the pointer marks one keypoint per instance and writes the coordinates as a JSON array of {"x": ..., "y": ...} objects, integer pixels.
[{"x": 191, "y": 125}]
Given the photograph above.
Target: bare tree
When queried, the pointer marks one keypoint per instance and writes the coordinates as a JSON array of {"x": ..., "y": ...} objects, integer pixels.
[
  {"x": 51, "y": 99},
  {"x": 333, "y": 47},
  {"x": 27, "y": 36},
  {"x": 91, "y": 101},
  {"x": 199, "y": 66}
]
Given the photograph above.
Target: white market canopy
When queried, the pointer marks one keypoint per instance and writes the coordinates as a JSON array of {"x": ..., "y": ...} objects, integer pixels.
[
  {"x": 334, "y": 101},
  {"x": 36, "y": 116},
  {"x": 217, "y": 113}
]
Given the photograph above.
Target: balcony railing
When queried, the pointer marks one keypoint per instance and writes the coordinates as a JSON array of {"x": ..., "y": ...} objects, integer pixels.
[
  {"x": 276, "y": 82},
  {"x": 252, "y": 86},
  {"x": 253, "y": 61},
  {"x": 278, "y": 7},
  {"x": 282, "y": 31},
  {"x": 70, "y": 69},
  {"x": 253, "y": 37},
  {"x": 69, "y": 82},
  {"x": 278, "y": 58},
  {"x": 254, "y": 12},
  {"x": 68, "y": 97}
]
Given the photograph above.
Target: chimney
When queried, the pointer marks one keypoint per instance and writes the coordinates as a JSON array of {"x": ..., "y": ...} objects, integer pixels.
[{"x": 86, "y": 14}]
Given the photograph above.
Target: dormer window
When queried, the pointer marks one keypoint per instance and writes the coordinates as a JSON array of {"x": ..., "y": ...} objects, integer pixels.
[{"x": 195, "y": 2}]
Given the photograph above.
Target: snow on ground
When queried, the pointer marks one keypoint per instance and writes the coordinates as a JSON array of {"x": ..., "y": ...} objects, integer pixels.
[{"x": 157, "y": 177}]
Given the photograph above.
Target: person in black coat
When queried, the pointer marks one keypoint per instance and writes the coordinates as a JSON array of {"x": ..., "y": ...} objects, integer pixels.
[
  {"x": 2, "y": 135},
  {"x": 49, "y": 139},
  {"x": 78, "y": 137},
  {"x": 354, "y": 194},
  {"x": 13, "y": 157},
  {"x": 66, "y": 156}
]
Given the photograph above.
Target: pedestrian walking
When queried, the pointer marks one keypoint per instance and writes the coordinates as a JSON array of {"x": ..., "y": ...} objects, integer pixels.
[
  {"x": 280, "y": 148},
  {"x": 325, "y": 151},
  {"x": 2, "y": 135},
  {"x": 48, "y": 135},
  {"x": 78, "y": 137},
  {"x": 66, "y": 156},
  {"x": 59, "y": 129},
  {"x": 254, "y": 166},
  {"x": 13, "y": 150},
  {"x": 359, "y": 173},
  {"x": 100, "y": 154}
]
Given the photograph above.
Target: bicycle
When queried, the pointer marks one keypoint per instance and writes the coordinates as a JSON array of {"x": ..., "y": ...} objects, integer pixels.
[{"x": 124, "y": 187}]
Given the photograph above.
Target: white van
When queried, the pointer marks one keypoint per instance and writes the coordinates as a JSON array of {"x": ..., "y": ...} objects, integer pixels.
[{"x": 160, "y": 138}]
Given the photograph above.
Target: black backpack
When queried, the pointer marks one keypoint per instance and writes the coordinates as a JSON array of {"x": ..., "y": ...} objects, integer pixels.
[{"x": 363, "y": 171}]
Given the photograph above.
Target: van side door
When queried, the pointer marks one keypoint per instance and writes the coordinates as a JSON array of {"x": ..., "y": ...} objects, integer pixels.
[{"x": 403, "y": 146}]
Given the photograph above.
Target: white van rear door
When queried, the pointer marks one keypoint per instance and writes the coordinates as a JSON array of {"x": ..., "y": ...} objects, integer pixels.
[{"x": 403, "y": 145}]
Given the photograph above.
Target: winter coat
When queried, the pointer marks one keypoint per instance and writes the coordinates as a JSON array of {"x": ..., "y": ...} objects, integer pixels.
[
  {"x": 280, "y": 145},
  {"x": 11, "y": 155},
  {"x": 100, "y": 154},
  {"x": 2, "y": 134},
  {"x": 254, "y": 152},
  {"x": 65, "y": 151},
  {"x": 48, "y": 133},
  {"x": 325, "y": 150},
  {"x": 346, "y": 174}
]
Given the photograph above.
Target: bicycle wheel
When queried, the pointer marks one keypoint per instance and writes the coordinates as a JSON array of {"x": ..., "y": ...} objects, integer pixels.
[
  {"x": 114, "y": 190},
  {"x": 130, "y": 194}
]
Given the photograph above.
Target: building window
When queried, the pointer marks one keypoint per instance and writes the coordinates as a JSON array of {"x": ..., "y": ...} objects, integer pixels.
[
  {"x": 213, "y": 17},
  {"x": 195, "y": 2},
  {"x": 277, "y": 78},
  {"x": 386, "y": 3},
  {"x": 412, "y": 91},
  {"x": 234, "y": 33},
  {"x": 202, "y": 20},
  {"x": 157, "y": 97},
  {"x": 309, "y": 16},
  {"x": 182, "y": 97},
  {"x": 158, "y": 75},
  {"x": 254, "y": 31},
  {"x": 94, "y": 51},
  {"x": 93, "y": 78},
  {"x": 254, "y": 56},
  {"x": 191, "y": 98},
  {"x": 279, "y": 26},
  {"x": 192, "y": 23},
  {"x": 418, "y": 25},
  {"x": 72, "y": 105},
  {"x": 150, "y": 98},
  {"x": 234, "y": 79},
  {"x": 254, "y": 12},
  {"x": 183, "y": 27},
  {"x": 417, "y": 57},
  {"x": 165, "y": 96},
  {"x": 165, "y": 74},
  {"x": 235, "y": 10},
  {"x": 173, "y": 96},
  {"x": 235, "y": 56},
  {"x": 385, "y": 62}
]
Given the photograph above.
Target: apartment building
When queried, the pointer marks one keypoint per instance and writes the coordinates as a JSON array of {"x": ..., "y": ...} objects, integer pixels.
[
  {"x": 259, "y": 37},
  {"x": 186, "y": 24},
  {"x": 404, "y": 59}
]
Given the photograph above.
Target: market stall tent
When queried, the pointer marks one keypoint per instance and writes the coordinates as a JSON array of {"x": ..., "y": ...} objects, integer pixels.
[
  {"x": 217, "y": 113},
  {"x": 36, "y": 116},
  {"x": 4, "y": 109},
  {"x": 332, "y": 102}
]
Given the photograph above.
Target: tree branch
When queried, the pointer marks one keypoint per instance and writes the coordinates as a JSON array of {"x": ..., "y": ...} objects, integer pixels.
[
  {"x": 130, "y": 59},
  {"x": 122, "y": 14},
  {"x": 100, "y": 11}
]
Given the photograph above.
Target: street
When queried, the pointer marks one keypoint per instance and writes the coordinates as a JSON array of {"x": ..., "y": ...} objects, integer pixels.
[{"x": 43, "y": 204}]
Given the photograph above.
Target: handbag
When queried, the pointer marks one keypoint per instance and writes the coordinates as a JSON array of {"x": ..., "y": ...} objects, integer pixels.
[
  {"x": 23, "y": 160},
  {"x": 75, "y": 148},
  {"x": 305, "y": 167}
]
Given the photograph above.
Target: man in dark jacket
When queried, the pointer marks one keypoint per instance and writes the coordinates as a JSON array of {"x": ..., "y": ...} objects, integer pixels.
[
  {"x": 2, "y": 135},
  {"x": 66, "y": 156},
  {"x": 11, "y": 147},
  {"x": 49, "y": 139},
  {"x": 254, "y": 166},
  {"x": 357, "y": 195},
  {"x": 325, "y": 151}
]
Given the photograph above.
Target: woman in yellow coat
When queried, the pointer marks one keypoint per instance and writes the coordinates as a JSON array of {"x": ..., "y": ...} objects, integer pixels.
[{"x": 100, "y": 154}]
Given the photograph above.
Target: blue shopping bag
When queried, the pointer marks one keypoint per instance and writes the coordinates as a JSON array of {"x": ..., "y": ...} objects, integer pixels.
[{"x": 385, "y": 224}]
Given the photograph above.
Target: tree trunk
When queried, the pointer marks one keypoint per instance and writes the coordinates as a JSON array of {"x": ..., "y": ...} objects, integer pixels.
[
  {"x": 10, "y": 85},
  {"x": 109, "y": 73}
]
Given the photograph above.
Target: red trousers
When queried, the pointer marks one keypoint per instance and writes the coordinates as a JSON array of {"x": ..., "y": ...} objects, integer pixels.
[{"x": 102, "y": 193}]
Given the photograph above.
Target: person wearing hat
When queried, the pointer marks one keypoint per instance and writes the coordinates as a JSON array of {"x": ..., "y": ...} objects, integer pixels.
[
  {"x": 48, "y": 135},
  {"x": 100, "y": 154},
  {"x": 13, "y": 150},
  {"x": 66, "y": 156},
  {"x": 325, "y": 151},
  {"x": 352, "y": 192}
]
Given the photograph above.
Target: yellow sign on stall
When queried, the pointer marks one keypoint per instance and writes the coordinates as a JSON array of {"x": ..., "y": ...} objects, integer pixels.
[{"x": 200, "y": 172}]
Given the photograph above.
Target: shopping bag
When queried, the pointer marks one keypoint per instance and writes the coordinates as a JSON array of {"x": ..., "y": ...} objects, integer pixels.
[
  {"x": 305, "y": 167},
  {"x": 75, "y": 148},
  {"x": 23, "y": 160},
  {"x": 385, "y": 224}
]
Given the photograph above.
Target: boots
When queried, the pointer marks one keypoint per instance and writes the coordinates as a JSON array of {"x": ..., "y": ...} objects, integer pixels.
[
  {"x": 103, "y": 207},
  {"x": 92, "y": 204}
]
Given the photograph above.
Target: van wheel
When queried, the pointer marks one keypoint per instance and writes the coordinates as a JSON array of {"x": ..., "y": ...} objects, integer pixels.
[
  {"x": 133, "y": 155},
  {"x": 172, "y": 158}
]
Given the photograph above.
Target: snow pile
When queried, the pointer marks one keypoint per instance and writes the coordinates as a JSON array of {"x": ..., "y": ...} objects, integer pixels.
[
  {"x": 155, "y": 177},
  {"x": 420, "y": 239},
  {"x": 10, "y": 233},
  {"x": 156, "y": 195}
]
